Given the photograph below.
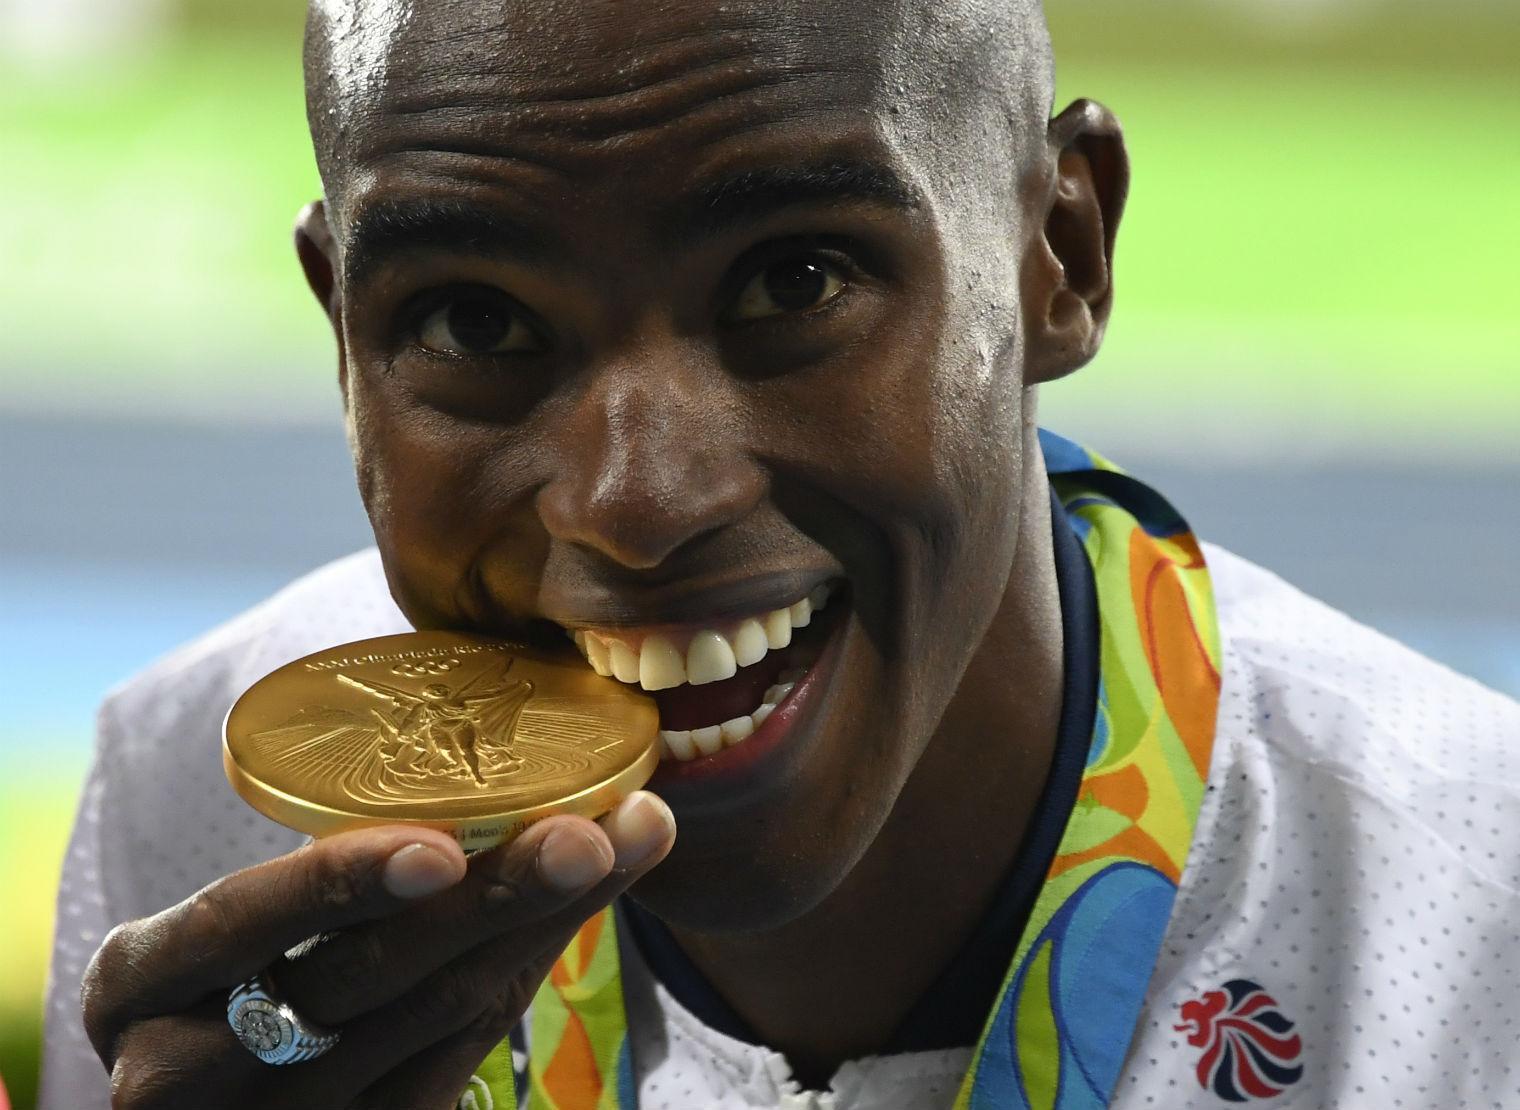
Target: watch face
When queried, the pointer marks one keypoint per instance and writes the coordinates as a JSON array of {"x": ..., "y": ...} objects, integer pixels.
[{"x": 262, "y": 1027}]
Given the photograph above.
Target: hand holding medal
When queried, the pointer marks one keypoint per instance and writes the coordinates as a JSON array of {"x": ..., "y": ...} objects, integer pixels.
[{"x": 398, "y": 754}]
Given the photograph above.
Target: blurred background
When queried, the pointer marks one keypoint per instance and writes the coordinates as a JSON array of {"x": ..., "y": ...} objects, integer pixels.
[{"x": 1314, "y": 351}]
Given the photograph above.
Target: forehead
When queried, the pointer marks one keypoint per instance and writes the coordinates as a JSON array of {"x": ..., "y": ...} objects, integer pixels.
[{"x": 605, "y": 96}]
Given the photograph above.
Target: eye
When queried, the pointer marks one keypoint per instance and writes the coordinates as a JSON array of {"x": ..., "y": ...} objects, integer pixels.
[
  {"x": 475, "y": 321},
  {"x": 796, "y": 283}
]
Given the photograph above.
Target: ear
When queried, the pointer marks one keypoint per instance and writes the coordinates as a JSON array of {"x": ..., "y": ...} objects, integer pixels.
[
  {"x": 1069, "y": 269},
  {"x": 318, "y": 252}
]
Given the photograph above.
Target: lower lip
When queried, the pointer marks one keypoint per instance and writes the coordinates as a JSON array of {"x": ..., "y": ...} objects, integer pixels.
[{"x": 708, "y": 775}]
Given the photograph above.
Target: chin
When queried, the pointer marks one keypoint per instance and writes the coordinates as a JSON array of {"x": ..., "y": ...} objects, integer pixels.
[{"x": 754, "y": 895}]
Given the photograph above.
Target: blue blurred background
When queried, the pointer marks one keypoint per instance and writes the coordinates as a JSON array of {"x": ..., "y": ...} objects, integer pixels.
[{"x": 1313, "y": 352}]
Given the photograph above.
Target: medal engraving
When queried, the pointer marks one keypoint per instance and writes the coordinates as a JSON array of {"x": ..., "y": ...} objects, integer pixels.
[
  {"x": 429, "y": 735},
  {"x": 448, "y": 730}
]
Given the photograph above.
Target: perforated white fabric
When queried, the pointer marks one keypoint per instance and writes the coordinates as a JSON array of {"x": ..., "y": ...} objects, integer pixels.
[
  {"x": 157, "y": 819},
  {"x": 1358, "y": 857},
  {"x": 1357, "y": 860}
]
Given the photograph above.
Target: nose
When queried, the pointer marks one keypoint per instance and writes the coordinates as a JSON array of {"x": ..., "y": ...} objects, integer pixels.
[{"x": 650, "y": 459}]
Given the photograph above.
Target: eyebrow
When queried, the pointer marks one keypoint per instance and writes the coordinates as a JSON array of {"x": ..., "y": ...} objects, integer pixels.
[
  {"x": 391, "y": 227},
  {"x": 754, "y": 194}
]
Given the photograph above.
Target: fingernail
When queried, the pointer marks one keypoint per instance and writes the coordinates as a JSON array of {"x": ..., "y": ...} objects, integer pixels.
[
  {"x": 417, "y": 871},
  {"x": 570, "y": 860},
  {"x": 638, "y": 828}
]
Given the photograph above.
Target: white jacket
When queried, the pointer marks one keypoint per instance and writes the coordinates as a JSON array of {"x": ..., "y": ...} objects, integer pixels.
[{"x": 1357, "y": 858}]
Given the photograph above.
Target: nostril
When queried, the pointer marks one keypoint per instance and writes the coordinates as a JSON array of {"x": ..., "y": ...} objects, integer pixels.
[
  {"x": 640, "y": 528},
  {"x": 635, "y": 527}
]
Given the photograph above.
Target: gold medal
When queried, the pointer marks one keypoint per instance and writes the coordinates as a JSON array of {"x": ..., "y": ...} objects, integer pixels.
[{"x": 474, "y": 736}]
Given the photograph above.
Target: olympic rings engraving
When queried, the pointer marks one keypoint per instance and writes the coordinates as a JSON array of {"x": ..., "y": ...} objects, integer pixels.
[{"x": 425, "y": 668}]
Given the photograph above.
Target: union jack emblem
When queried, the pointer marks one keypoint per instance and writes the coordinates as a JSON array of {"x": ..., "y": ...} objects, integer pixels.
[{"x": 1249, "y": 1048}]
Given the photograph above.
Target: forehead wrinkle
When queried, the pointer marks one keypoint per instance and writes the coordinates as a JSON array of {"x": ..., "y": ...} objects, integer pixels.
[
  {"x": 597, "y": 51},
  {"x": 531, "y": 78},
  {"x": 467, "y": 78},
  {"x": 481, "y": 142},
  {"x": 598, "y": 75},
  {"x": 602, "y": 116}
]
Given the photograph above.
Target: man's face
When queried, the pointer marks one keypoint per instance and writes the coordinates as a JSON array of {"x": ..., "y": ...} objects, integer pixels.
[{"x": 658, "y": 319}]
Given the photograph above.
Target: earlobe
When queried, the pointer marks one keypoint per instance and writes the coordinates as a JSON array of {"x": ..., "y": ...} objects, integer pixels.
[
  {"x": 317, "y": 250},
  {"x": 1069, "y": 270}
]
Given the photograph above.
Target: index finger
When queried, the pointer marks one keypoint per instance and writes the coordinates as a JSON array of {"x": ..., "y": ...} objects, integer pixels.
[{"x": 232, "y": 929}]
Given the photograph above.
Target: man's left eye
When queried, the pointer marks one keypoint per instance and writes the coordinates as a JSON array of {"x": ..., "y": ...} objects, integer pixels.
[
  {"x": 794, "y": 284},
  {"x": 477, "y": 321}
]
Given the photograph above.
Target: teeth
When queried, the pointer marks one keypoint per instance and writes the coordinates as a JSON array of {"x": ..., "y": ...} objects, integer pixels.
[
  {"x": 657, "y": 661},
  {"x": 750, "y": 643},
  {"x": 684, "y": 745},
  {"x": 777, "y": 693},
  {"x": 786, "y": 678},
  {"x": 660, "y": 665},
  {"x": 625, "y": 664},
  {"x": 709, "y": 659},
  {"x": 596, "y": 654},
  {"x": 708, "y": 740},
  {"x": 778, "y": 628},
  {"x": 678, "y": 743}
]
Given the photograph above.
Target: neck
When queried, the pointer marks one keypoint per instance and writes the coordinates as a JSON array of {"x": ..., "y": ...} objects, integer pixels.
[{"x": 815, "y": 988}]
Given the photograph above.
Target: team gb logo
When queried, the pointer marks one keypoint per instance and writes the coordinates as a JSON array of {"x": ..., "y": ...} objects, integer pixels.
[{"x": 1249, "y": 1048}]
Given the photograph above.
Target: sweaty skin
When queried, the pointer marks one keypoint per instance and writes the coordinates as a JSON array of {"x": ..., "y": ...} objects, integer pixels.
[{"x": 634, "y": 451}]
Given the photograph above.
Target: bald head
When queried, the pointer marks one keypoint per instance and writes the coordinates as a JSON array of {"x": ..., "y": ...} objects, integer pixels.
[{"x": 975, "y": 72}]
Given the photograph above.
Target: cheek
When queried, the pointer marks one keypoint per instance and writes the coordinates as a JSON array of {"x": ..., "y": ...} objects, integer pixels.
[
  {"x": 979, "y": 476},
  {"x": 959, "y": 505},
  {"x": 436, "y": 494},
  {"x": 931, "y": 435},
  {"x": 978, "y": 412}
]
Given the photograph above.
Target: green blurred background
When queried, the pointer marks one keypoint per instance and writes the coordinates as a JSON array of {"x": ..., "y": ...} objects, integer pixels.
[{"x": 1315, "y": 339}]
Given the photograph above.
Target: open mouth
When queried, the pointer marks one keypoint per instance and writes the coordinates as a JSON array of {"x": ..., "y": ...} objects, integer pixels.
[{"x": 715, "y": 686}]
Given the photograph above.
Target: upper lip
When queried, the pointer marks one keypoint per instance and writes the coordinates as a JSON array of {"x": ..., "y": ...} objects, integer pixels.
[{"x": 678, "y": 603}]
